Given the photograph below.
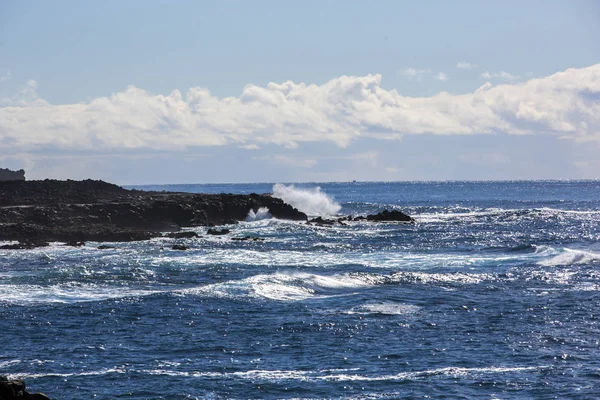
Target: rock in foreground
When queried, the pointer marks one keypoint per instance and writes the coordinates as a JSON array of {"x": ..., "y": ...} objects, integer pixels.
[{"x": 15, "y": 390}]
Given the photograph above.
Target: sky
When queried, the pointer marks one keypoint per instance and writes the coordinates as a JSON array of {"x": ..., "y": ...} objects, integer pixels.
[{"x": 153, "y": 92}]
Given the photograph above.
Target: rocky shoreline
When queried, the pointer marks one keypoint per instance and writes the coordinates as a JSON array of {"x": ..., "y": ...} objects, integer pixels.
[
  {"x": 37, "y": 212},
  {"x": 34, "y": 213}
]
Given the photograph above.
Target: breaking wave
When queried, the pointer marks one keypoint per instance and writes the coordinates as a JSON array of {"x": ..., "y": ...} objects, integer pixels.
[
  {"x": 310, "y": 201},
  {"x": 258, "y": 215},
  {"x": 340, "y": 375},
  {"x": 570, "y": 257}
]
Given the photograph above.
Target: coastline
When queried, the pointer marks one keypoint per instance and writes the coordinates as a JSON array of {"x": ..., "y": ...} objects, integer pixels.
[{"x": 37, "y": 212}]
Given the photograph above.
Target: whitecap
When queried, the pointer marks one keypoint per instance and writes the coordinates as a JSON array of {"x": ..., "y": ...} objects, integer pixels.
[
  {"x": 70, "y": 292},
  {"x": 104, "y": 371},
  {"x": 284, "y": 286},
  {"x": 315, "y": 376},
  {"x": 385, "y": 308},
  {"x": 570, "y": 257}
]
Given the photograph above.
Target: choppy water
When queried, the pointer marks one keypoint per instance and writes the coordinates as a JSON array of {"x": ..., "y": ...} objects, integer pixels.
[{"x": 493, "y": 293}]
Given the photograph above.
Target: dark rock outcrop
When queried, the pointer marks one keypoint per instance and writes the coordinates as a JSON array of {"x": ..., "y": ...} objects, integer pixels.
[
  {"x": 182, "y": 235},
  {"x": 80, "y": 211},
  {"x": 218, "y": 232},
  {"x": 321, "y": 221},
  {"x": 8, "y": 175},
  {"x": 390, "y": 216},
  {"x": 384, "y": 216},
  {"x": 248, "y": 238},
  {"x": 179, "y": 247},
  {"x": 25, "y": 245},
  {"x": 15, "y": 390}
]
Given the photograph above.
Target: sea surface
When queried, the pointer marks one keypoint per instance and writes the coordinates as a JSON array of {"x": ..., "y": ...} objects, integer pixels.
[{"x": 494, "y": 293}]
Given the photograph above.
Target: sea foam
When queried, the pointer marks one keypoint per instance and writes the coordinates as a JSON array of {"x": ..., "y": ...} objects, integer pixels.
[{"x": 310, "y": 201}]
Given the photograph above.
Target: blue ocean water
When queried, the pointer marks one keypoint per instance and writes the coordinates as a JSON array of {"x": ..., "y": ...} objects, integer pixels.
[{"x": 493, "y": 293}]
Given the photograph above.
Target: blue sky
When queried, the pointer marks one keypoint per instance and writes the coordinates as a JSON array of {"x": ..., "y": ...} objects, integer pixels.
[{"x": 174, "y": 92}]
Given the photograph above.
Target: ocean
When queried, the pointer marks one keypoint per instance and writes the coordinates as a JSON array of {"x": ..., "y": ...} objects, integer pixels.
[{"x": 494, "y": 293}]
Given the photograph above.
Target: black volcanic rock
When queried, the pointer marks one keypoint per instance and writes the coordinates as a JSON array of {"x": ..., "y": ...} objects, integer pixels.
[
  {"x": 390, "y": 216},
  {"x": 321, "y": 221},
  {"x": 248, "y": 238},
  {"x": 8, "y": 175},
  {"x": 24, "y": 245},
  {"x": 80, "y": 211},
  {"x": 15, "y": 390},
  {"x": 51, "y": 191},
  {"x": 182, "y": 235}
]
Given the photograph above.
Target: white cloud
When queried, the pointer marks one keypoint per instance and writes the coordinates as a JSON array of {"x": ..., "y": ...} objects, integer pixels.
[
  {"x": 465, "y": 65},
  {"x": 566, "y": 104},
  {"x": 441, "y": 76},
  {"x": 414, "y": 74},
  {"x": 26, "y": 96},
  {"x": 499, "y": 75}
]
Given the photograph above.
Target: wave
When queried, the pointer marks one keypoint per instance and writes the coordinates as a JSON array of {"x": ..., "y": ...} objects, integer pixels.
[
  {"x": 298, "y": 286},
  {"x": 500, "y": 214},
  {"x": 339, "y": 375},
  {"x": 281, "y": 286},
  {"x": 310, "y": 201},
  {"x": 385, "y": 308},
  {"x": 570, "y": 257},
  {"x": 9, "y": 363},
  {"x": 260, "y": 214},
  {"x": 104, "y": 371},
  {"x": 67, "y": 293}
]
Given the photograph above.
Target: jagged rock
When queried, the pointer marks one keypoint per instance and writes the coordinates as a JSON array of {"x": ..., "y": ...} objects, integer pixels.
[
  {"x": 223, "y": 231},
  {"x": 179, "y": 247},
  {"x": 15, "y": 390},
  {"x": 105, "y": 247},
  {"x": 182, "y": 235},
  {"x": 394, "y": 215}
]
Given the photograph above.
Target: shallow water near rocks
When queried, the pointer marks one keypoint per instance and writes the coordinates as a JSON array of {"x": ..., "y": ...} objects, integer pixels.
[{"x": 493, "y": 293}]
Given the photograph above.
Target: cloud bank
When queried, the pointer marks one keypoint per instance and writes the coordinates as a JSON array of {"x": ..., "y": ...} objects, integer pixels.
[{"x": 566, "y": 104}]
